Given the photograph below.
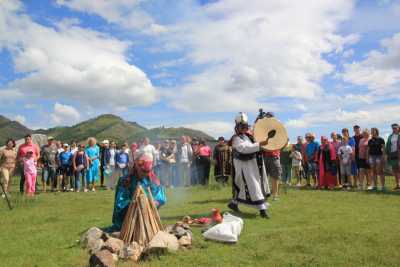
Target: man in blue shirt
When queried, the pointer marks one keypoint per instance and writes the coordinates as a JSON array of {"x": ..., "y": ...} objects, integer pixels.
[
  {"x": 312, "y": 158},
  {"x": 65, "y": 163}
]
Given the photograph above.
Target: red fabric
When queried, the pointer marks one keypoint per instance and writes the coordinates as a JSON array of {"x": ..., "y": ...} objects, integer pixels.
[
  {"x": 153, "y": 178},
  {"x": 273, "y": 153},
  {"x": 326, "y": 178},
  {"x": 205, "y": 151}
]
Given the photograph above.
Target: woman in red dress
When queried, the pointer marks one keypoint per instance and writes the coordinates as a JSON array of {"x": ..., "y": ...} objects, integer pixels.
[{"x": 327, "y": 164}]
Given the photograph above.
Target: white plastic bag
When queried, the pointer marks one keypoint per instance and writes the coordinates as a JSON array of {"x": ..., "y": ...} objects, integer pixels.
[{"x": 227, "y": 231}]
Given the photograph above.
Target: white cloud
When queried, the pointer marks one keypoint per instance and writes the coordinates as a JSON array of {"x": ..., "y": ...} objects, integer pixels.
[
  {"x": 251, "y": 53},
  {"x": 70, "y": 62},
  {"x": 127, "y": 13},
  {"x": 21, "y": 119},
  {"x": 64, "y": 115},
  {"x": 348, "y": 53},
  {"x": 380, "y": 69},
  {"x": 213, "y": 128},
  {"x": 376, "y": 116}
]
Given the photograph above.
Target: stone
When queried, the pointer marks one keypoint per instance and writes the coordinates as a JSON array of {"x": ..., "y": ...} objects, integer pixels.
[
  {"x": 161, "y": 243},
  {"x": 95, "y": 245},
  {"x": 102, "y": 258},
  {"x": 179, "y": 231},
  {"x": 185, "y": 241},
  {"x": 115, "y": 245},
  {"x": 90, "y": 235},
  {"x": 131, "y": 251}
]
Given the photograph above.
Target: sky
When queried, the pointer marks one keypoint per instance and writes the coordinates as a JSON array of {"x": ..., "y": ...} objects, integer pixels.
[{"x": 319, "y": 65}]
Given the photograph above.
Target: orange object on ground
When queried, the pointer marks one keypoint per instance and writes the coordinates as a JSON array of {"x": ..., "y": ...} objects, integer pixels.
[{"x": 216, "y": 216}]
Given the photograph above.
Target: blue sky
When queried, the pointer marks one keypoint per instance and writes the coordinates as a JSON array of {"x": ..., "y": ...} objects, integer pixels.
[{"x": 319, "y": 66}]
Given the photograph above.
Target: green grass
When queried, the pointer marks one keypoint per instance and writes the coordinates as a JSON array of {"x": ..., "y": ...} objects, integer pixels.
[{"x": 308, "y": 228}]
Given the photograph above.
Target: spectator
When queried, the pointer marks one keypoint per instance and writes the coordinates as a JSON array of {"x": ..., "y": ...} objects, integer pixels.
[
  {"x": 30, "y": 172},
  {"x": 286, "y": 164},
  {"x": 345, "y": 153},
  {"x": 194, "y": 167},
  {"x": 375, "y": 155},
  {"x": 223, "y": 161},
  {"x": 296, "y": 157},
  {"x": 8, "y": 158},
  {"x": 336, "y": 142},
  {"x": 80, "y": 163},
  {"x": 92, "y": 174},
  {"x": 122, "y": 161},
  {"x": 74, "y": 147},
  {"x": 363, "y": 165},
  {"x": 327, "y": 164},
  {"x": 49, "y": 154},
  {"x": 184, "y": 156},
  {"x": 205, "y": 162},
  {"x": 174, "y": 172},
  {"x": 111, "y": 167},
  {"x": 357, "y": 137},
  {"x": 393, "y": 153},
  {"x": 147, "y": 148},
  {"x": 352, "y": 143},
  {"x": 301, "y": 147},
  {"x": 22, "y": 150},
  {"x": 165, "y": 156},
  {"x": 157, "y": 160},
  {"x": 311, "y": 158},
  {"x": 65, "y": 163},
  {"x": 104, "y": 160}
]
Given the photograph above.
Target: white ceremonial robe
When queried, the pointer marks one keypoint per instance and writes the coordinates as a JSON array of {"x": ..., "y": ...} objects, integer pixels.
[{"x": 250, "y": 183}]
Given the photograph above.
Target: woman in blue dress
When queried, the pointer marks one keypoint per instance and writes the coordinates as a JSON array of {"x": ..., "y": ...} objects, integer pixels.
[
  {"x": 93, "y": 153},
  {"x": 142, "y": 174}
]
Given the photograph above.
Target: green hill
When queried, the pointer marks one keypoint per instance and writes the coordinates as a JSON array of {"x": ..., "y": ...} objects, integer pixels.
[
  {"x": 13, "y": 129},
  {"x": 112, "y": 127},
  {"x": 103, "y": 127}
]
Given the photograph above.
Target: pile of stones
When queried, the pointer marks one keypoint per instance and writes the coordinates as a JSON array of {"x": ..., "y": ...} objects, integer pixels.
[{"x": 107, "y": 249}]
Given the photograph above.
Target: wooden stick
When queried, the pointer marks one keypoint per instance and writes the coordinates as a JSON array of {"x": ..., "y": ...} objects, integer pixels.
[{"x": 155, "y": 211}]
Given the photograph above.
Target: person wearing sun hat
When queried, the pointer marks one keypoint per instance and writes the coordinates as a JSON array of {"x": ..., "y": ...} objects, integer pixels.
[
  {"x": 49, "y": 160},
  {"x": 250, "y": 183}
]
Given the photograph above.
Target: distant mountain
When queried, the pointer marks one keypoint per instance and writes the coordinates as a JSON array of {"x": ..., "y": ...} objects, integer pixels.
[
  {"x": 102, "y": 127},
  {"x": 112, "y": 127},
  {"x": 14, "y": 129}
]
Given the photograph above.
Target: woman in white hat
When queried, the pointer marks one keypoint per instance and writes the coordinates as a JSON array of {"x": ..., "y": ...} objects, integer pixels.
[{"x": 250, "y": 184}]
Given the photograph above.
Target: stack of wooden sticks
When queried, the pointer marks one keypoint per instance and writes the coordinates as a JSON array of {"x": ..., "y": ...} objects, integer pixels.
[{"x": 142, "y": 221}]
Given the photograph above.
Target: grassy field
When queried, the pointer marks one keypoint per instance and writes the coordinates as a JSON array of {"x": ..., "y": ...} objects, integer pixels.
[{"x": 308, "y": 228}]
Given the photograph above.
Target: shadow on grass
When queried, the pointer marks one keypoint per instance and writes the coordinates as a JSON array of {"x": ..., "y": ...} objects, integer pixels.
[
  {"x": 375, "y": 192},
  {"x": 244, "y": 215}
]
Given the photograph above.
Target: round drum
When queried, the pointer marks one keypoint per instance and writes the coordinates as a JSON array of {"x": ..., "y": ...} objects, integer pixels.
[{"x": 270, "y": 125}]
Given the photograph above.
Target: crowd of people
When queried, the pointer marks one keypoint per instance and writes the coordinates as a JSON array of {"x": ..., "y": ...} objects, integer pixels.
[
  {"x": 59, "y": 166},
  {"x": 343, "y": 161}
]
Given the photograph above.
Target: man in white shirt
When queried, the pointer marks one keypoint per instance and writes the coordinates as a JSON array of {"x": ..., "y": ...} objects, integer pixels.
[
  {"x": 148, "y": 149},
  {"x": 184, "y": 154}
]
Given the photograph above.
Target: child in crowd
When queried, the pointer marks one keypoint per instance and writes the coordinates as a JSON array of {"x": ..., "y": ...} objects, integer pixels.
[
  {"x": 345, "y": 152},
  {"x": 30, "y": 173},
  {"x": 80, "y": 161},
  {"x": 122, "y": 160},
  {"x": 65, "y": 162},
  {"x": 296, "y": 157}
]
